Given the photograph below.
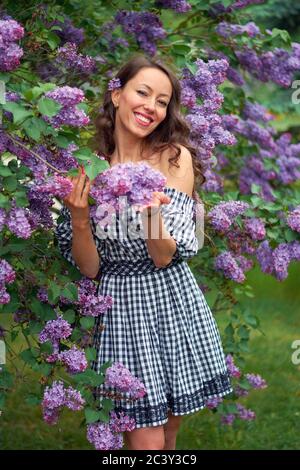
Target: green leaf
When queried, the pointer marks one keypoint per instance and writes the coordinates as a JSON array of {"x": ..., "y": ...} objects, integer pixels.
[
  {"x": 48, "y": 107},
  {"x": 181, "y": 49},
  {"x": 44, "y": 311},
  {"x": 87, "y": 322},
  {"x": 54, "y": 292},
  {"x": 5, "y": 171},
  {"x": 91, "y": 415},
  {"x": 32, "y": 399},
  {"x": 10, "y": 183},
  {"x": 28, "y": 357},
  {"x": 35, "y": 127},
  {"x": 52, "y": 40},
  {"x": 90, "y": 354},
  {"x": 70, "y": 291},
  {"x": 19, "y": 112},
  {"x": 69, "y": 316},
  {"x": 243, "y": 332}
]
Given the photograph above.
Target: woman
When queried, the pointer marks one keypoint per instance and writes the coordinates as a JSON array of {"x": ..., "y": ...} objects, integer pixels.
[{"x": 159, "y": 326}]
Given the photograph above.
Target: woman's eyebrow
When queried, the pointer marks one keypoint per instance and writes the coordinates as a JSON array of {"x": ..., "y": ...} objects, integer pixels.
[{"x": 161, "y": 94}]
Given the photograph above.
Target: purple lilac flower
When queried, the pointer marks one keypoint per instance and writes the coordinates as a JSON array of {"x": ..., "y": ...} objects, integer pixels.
[
  {"x": 74, "y": 359},
  {"x": 120, "y": 377},
  {"x": 70, "y": 58},
  {"x": 228, "y": 29},
  {"x": 232, "y": 368},
  {"x": 256, "y": 112},
  {"x": 7, "y": 273},
  {"x": 90, "y": 304},
  {"x": 224, "y": 213},
  {"x": 136, "y": 182},
  {"x": 69, "y": 114},
  {"x": 256, "y": 381},
  {"x": 255, "y": 227},
  {"x": 121, "y": 422},
  {"x": 55, "y": 397},
  {"x": 68, "y": 32},
  {"x": 293, "y": 219},
  {"x": 56, "y": 186},
  {"x": 244, "y": 413},
  {"x": 18, "y": 223},
  {"x": 212, "y": 403},
  {"x": 145, "y": 26},
  {"x": 227, "y": 264},
  {"x": 240, "y": 392},
  {"x": 228, "y": 419},
  {"x": 206, "y": 125},
  {"x": 10, "y": 52},
  {"x": 180, "y": 6},
  {"x": 54, "y": 331},
  {"x": 101, "y": 436},
  {"x": 114, "y": 83}
]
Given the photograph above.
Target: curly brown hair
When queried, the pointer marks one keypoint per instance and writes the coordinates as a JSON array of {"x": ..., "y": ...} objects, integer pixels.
[{"x": 173, "y": 130}]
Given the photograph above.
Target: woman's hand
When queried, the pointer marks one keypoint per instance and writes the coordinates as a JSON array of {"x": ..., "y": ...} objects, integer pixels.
[
  {"x": 77, "y": 200},
  {"x": 158, "y": 198}
]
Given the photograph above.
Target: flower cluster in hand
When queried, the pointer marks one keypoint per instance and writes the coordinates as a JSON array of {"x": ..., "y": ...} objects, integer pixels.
[
  {"x": 136, "y": 182},
  {"x": 10, "y": 53}
]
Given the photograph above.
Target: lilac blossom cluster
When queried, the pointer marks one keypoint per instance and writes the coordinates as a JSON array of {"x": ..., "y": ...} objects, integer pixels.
[
  {"x": 56, "y": 397},
  {"x": 220, "y": 9},
  {"x": 276, "y": 261},
  {"x": 293, "y": 219},
  {"x": 256, "y": 381},
  {"x": 89, "y": 302},
  {"x": 223, "y": 214},
  {"x": 242, "y": 413},
  {"x": 10, "y": 53},
  {"x": 56, "y": 186},
  {"x": 120, "y": 377},
  {"x": 232, "y": 265},
  {"x": 145, "y": 26},
  {"x": 74, "y": 359},
  {"x": 54, "y": 331},
  {"x": 68, "y": 56},
  {"x": 7, "y": 276},
  {"x": 18, "y": 220},
  {"x": 136, "y": 182},
  {"x": 67, "y": 32},
  {"x": 226, "y": 30},
  {"x": 69, "y": 114},
  {"x": 207, "y": 129},
  {"x": 278, "y": 66},
  {"x": 107, "y": 436},
  {"x": 180, "y": 6}
]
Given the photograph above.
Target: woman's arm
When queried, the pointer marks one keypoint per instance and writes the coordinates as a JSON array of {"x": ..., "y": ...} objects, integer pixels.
[{"x": 84, "y": 250}]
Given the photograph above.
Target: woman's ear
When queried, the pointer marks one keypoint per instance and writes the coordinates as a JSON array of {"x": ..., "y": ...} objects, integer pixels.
[{"x": 115, "y": 95}]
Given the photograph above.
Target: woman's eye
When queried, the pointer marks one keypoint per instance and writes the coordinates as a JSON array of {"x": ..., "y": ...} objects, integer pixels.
[{"x": 144, "y": 93}]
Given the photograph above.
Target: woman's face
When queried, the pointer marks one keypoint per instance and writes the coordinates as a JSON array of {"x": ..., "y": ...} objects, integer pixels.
[{"x": 143, "y": 101}]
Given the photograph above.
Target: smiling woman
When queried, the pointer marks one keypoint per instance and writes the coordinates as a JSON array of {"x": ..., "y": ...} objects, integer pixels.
[{"x": 160, "y": 326}]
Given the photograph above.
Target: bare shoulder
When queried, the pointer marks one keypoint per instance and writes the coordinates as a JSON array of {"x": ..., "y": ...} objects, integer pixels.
[{"x": 181, "y": 177}]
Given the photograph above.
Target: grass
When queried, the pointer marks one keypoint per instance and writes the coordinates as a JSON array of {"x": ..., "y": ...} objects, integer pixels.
[{"x": 277, "y": 407}]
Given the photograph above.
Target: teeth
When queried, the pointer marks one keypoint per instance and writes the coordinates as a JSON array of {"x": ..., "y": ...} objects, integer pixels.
[{"x": 142, "y": 118}]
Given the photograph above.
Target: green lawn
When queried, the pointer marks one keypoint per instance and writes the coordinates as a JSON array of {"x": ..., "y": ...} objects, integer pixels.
[{"x": 277, "y": 407}]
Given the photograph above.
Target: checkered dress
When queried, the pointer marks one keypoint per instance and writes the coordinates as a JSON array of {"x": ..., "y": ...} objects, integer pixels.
[{"x": 160, "y": 326}]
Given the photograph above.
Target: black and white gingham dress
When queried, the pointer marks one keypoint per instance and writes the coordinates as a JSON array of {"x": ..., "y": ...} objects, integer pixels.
[{"x": 160, "y": 325}]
